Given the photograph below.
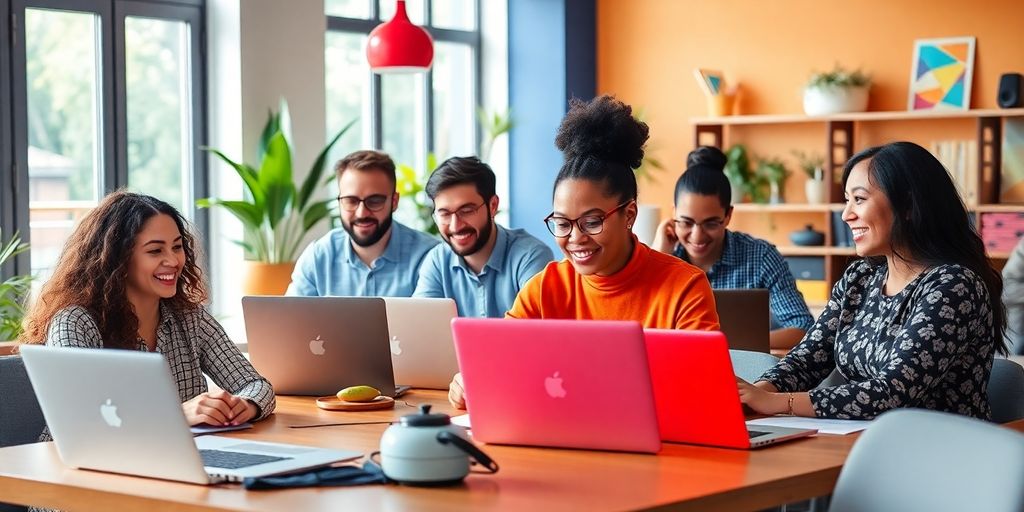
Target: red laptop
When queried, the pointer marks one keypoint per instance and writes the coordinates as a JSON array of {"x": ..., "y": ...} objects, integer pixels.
[
  {"x": 560, "y": 383},
  {"x": 696, "y": 396}
]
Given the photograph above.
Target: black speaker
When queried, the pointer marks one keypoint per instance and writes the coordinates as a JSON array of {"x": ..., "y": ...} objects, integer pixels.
[{"x": 1009, "y": 90}]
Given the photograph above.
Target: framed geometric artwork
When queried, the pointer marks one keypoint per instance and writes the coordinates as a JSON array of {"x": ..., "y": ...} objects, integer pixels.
[{"x": 940, "y": 78}]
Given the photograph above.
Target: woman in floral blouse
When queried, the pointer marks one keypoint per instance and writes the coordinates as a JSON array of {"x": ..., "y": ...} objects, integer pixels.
[{"x": 917, "y": 322}]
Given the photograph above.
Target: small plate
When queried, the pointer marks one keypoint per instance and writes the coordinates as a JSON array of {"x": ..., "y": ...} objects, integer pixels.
[{"x": 333, "y": 403}]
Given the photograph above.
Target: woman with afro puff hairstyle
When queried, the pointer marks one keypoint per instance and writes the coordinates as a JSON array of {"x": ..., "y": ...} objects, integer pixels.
[{"x": 607, "y": 273}]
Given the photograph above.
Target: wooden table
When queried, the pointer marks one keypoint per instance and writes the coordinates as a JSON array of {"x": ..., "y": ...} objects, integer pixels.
[{"x": 681, "y": 477}]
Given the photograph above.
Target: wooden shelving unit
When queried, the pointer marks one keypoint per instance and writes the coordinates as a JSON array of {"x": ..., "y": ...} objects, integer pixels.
[{"x": 839, "y": 138}]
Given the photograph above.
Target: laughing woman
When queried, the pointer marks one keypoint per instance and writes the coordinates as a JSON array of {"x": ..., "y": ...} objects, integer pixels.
[
  {"x": 129, "y": 279},
  {"x": 914, "y": 324},
  {"x": 607, "y": 273}
]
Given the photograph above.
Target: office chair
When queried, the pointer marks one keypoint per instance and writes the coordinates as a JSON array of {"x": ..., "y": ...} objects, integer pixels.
[
  {"x": 912, "y": 459},
  {"x": 1006, "y": 391},
  {"x": 21, "y": 420}
]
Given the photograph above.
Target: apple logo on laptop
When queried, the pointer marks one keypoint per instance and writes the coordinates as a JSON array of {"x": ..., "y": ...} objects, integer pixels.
[
  {"x": 553, "y": 385},
  {"x": 109, "y": 413},
  {"x": 316, "y": 346},
  {"x": 396, "y": 345}
]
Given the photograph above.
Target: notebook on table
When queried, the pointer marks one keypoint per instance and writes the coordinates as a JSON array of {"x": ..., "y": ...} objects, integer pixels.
[
  {"x": 696, "y": 395},
  {"x": 558, "y": 383},
  {"x": 118, "y": 411}
]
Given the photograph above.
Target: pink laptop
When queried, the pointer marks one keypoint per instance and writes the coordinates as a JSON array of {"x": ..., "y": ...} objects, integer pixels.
[
  {"x": 695, "y": 391},
  {"x": 559, "y": 383}
]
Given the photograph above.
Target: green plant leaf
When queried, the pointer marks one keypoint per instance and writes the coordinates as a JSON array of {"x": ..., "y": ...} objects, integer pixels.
[
  {"x": 317, "y": 170},
  {"x": 249, "y": 177},
  {"x": 250, "y": 216},
  {"x": 275, "y": 178},
  {"x": 315, "y": 213},
  {"x": 272, "y": 126}
]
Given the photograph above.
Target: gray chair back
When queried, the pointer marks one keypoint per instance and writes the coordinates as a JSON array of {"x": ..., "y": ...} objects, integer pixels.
[
  {"x": 749, "y": 365},
  {"x": 21, "y": 421},
  {"x": 913, "y": 459},
  {"x": 1006, "y": 391}
]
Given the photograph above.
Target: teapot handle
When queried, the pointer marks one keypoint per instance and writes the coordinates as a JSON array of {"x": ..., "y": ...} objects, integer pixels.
[{"x": 445, "y": 437}]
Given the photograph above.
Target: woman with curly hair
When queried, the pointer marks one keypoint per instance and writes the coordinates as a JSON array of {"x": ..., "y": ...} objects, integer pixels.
[
  {"x": 128, "y": 279},
  {"x": 607, "y": 273}
]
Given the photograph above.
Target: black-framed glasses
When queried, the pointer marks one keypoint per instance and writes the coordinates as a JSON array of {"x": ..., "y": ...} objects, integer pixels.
[
  {"x": 708, "y": 226},
  {"x": 445, "y": 216},
  {"x": 373, "y": 203},
  {"x": 590, "y": 224}
]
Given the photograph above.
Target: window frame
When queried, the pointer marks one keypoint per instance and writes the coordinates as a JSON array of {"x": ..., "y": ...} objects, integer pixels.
[
  {"x": 112, "y": 94},
  {"x": 472, "y": 38}
]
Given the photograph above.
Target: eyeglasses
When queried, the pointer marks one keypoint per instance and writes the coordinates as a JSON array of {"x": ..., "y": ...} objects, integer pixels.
[
  {"x": 373, "y": 203},
  {"x": 592, "y": 224},
  {"x": 445, "y": 216},
  {"x": 707, "y": 226}
]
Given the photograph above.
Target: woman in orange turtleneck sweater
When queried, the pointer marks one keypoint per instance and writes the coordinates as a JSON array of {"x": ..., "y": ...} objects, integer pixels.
[{"x": 607, "y": 274}]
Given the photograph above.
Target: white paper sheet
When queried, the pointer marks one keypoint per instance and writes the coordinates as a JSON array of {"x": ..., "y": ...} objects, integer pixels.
[
  {"x": 461, "y": 420},
  {"x": 824, "y": 426}
]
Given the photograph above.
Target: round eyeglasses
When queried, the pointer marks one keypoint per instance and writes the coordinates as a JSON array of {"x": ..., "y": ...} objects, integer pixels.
[
  {"x": 591, "y": 224},
  {"x": 445, "y": 216}
]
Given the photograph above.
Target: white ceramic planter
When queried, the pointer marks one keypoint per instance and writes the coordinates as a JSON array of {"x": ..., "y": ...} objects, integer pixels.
[
  {"x": 815, "y": 190},
  {"x": 820, "y": 101}
]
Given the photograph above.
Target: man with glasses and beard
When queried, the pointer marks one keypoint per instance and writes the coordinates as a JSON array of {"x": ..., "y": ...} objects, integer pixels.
[
  {"x": 482, "y": 265},
  {"x": 370, "y": 255}
]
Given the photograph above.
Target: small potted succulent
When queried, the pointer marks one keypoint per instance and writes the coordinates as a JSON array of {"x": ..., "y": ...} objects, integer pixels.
[
  {"x": 812, "y": 165},
  {"x": 836, "y": 91},
  {"x": 774, "y": 173}
]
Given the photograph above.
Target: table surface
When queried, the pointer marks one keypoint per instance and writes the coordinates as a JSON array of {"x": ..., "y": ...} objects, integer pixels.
[{"x": 682, "y": 477}]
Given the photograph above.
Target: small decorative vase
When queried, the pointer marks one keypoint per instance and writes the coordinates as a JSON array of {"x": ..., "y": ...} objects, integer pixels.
[
  {"x": 266, "y": 278},
  {"x": 775, "y": 193},
  {"x": 737, "y": 191},
  {"x": 815, "y": 190},
  {"x": 807, "y": 236}
]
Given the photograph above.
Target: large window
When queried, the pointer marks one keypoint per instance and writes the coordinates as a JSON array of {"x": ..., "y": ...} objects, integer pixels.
[
  {"x": 407, "y": 116},
  {"x": 104, "y": 94}
]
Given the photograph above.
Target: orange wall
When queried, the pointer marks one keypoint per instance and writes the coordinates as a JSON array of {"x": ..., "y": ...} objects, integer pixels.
[{"x": 647, "y": 50}]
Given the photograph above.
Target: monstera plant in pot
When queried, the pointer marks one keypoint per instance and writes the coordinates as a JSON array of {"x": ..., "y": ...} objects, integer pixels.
[{"x": 275, "y": 213}]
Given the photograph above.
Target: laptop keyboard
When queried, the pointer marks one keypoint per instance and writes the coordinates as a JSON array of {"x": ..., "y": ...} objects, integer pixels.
[
  {"x": 756, "y": 433},
  {"x": 235, "y": 460}
]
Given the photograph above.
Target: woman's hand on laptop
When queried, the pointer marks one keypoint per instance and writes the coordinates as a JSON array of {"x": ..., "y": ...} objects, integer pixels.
[
  {"x": 760, "y": 399},
  {"x": 457, "y": 395},
  {"x": 218, "y": 408}
]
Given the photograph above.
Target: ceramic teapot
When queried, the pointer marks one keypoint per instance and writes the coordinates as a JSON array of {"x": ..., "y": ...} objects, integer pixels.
[{"x": 426, "y": 449}]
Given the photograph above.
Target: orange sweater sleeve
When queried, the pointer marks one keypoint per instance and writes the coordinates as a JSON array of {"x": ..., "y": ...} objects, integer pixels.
[
  {"x": 528, "y": 300},
  {"x": 697, "y": 310}
]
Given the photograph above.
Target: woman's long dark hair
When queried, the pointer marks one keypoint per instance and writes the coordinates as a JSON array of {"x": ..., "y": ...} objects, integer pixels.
[
  {"x": 92, "y": 272},
  {"x": 602, "y": 142},
  {"x": 930, "y": 220}
]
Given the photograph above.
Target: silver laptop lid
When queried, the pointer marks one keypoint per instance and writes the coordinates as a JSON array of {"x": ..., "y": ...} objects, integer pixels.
[
  {"x": 422, "y": 350},
  {"x": 745, "y": 318},
  {"x": 114, "y": 410},
  {"x": 119, "y": 411},
  {"x": 319, "y": 345}
]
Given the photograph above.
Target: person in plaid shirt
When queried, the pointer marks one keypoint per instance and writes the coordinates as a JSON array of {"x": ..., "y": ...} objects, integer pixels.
[{"x": 698, "y": 234}]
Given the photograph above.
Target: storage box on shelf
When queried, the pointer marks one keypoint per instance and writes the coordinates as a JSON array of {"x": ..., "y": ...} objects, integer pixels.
[{"x": 998, "y": 223}]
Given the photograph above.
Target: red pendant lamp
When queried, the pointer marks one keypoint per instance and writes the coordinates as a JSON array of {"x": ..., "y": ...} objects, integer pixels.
[{"x": 398, "y": 46}]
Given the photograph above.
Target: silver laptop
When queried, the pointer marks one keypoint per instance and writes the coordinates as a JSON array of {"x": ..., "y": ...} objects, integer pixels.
[
  {"x": 422, "y": 350},
  {"x": 745, "y": 318},
  {"x": 319, "y": 345},
  {"x": 119, "y": 411}
]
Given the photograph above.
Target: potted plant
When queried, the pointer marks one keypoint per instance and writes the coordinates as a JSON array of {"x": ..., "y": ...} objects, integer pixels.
[
  {"x": 737, "y": 169},
  {"x": 774, "y": 173},
  {"x": 836, "y": 91},
  {"x": 14, "y": 291},
  {"x": 811, "y": 164},
  {"x": 275, "y": 213},
  {"x": 415, "y": 205}
]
